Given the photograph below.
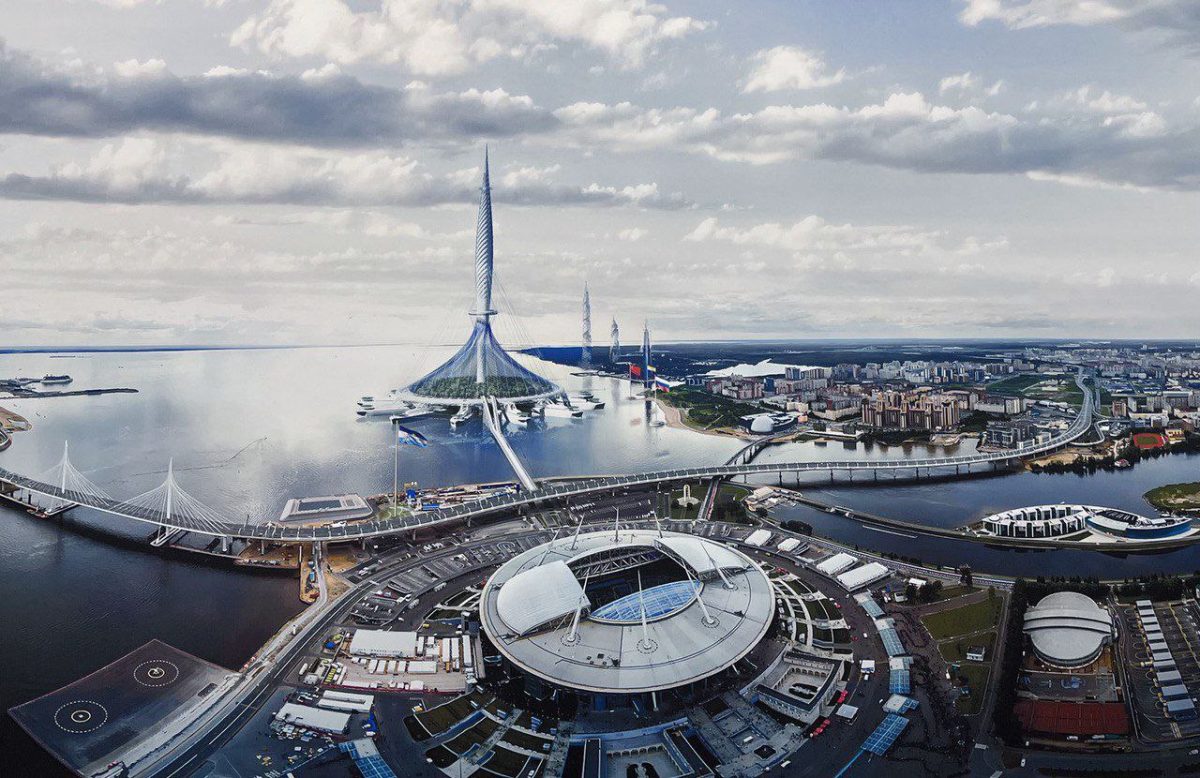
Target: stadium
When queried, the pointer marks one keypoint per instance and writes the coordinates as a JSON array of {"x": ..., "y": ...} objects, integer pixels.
[{"x": 637, "y": 618}]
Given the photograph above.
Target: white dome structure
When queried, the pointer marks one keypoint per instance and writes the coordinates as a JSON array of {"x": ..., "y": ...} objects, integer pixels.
[
  {"x": 762, "y": 425},
  {"x": 1068, "y": 629},
  {"x": 627, "y": 612}
]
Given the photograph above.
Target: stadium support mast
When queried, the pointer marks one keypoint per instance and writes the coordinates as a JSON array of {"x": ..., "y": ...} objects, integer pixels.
[
  {"x": 585, "y": 356},
  {"x": 614, "y": 351}
]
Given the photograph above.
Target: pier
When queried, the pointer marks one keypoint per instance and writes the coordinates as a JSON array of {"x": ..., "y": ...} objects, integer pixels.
[{"x": 491, "y": 420}]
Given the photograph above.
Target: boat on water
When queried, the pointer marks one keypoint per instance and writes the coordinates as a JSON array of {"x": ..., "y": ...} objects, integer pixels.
[
  {"x": 560, "y": 410},
  {"x": 585, "y": 402},
  {"x": 393, "y": 408},
  {"x": 463, "y": 415},
  {"x": 56, "y": 379},
  {"x": 514, "y": 414}
]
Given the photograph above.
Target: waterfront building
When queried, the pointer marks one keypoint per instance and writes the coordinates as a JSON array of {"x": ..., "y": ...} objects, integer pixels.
[
  {"x": 1057, "y": 521},
  {"x": 915, "y": 410}
]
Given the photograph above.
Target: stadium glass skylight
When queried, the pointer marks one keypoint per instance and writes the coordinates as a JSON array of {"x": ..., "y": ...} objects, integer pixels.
[{"x": 661, "y": 600}]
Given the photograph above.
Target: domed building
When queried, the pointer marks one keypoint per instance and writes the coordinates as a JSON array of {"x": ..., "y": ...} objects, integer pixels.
[
  {"x": 623, "y": 616},
  {"x": 1068, "y": 629}
]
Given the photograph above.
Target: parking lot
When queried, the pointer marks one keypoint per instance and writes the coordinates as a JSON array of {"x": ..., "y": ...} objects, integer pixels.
[{"x": 1179, "y": 624}]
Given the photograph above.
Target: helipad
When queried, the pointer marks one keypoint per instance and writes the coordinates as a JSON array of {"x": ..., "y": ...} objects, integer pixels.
[{"x": 94, "y": 720}]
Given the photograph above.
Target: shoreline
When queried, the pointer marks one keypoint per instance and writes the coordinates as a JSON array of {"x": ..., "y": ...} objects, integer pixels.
[{"x": 674, "y": 419}]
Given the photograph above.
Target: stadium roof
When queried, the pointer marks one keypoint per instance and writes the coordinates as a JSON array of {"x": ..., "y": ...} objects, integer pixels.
[
  {"x": 1068, "y": 629},
  {"x": 528, "y": 611}
]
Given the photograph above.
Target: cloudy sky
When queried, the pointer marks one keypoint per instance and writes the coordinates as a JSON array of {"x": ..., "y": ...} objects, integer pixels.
[{"x": 305, "y": 171}]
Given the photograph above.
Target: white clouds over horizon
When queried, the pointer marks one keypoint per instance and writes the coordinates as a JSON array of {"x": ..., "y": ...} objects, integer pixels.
[{"x": 210, "y": 170}]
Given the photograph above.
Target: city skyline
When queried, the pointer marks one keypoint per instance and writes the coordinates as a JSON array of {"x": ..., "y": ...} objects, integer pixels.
[{"x": 214, "y": 173}]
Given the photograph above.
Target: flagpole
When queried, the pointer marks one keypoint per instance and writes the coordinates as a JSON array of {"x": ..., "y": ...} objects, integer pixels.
[{"x": 395, "y": 466}]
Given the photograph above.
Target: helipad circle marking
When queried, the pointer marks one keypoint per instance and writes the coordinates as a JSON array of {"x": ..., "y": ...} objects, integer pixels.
[
  {"x": 80, "y": 716},
  {"x": 156, "y": 672}
]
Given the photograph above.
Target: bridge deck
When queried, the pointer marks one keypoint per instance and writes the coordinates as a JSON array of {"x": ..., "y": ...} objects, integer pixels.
[{"x": 536, "y": 494}]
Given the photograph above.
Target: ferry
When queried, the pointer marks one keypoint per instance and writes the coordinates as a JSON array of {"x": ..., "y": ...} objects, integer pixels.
[
  {"x": 395, "y": 409},
  {"x": 464, "y": 414},
  {"x": 559, "y": 410},
  {"x": 56, "y": 379},
  {"x": 585, "y": 402},
  {"x": 514, "y": 414}
]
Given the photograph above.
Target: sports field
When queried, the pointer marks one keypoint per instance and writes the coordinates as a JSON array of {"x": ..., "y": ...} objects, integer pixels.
[{"x": 1149, "y": 440}]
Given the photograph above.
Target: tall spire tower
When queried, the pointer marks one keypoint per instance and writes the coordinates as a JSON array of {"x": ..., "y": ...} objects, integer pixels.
[
  {"x": 481, "y": 368},
  {"x": 614, "y": 351},
  {"x": 484, "y": 260},
  {"x": 585, "y": 353},
  {"x": 647, "y": 365}
]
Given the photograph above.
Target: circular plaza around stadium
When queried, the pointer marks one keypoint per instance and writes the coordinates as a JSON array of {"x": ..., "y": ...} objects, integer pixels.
[{"x": 622, "y": 614}]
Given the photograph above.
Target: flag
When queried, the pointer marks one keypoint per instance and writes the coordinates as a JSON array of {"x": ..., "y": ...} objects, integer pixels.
[
  {"x": 651, "y": 369},
  {"x": 409, "y": 437},
  {"x": 661, "y": 384},
  {"x": 635, "y": 370}
]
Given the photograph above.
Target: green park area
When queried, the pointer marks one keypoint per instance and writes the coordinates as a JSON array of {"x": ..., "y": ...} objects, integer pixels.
[
  {"x": 1056, "y": 388},
  {"x": 706, "y": 411},
  {"x": 1173, "y": 497},
  {"x": 957, "y": 630}
]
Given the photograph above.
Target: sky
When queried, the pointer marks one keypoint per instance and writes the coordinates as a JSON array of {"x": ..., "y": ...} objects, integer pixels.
[{"x": 222, "y": 172}]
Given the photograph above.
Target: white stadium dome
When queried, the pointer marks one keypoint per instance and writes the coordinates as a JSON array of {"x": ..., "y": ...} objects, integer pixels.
[
  {"x": 712, "y": 606},
  {"x": 1068, "y": 629}
]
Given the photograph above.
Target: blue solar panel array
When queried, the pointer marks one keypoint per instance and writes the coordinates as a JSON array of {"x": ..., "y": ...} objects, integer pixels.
[
  {"x": 885, "y": 735},
  {"x": 908, "y": 704},
  {"x": 891, "y": 642},
  {"x": 371, "y": 765},
  {"x": 900, "y": 682},
  {"x": 660, "y": 601}
]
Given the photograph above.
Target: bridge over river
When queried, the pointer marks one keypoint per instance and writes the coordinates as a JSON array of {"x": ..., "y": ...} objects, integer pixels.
[{"x": 171, "y": 508}]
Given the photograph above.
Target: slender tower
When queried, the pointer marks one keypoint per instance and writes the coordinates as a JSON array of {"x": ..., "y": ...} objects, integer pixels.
[
  {"x": 483, "y": 311},
  {"x": 614, "y": 351},
  {"x": 585, "y": 353},
  {"x": 647, "y": 365}
]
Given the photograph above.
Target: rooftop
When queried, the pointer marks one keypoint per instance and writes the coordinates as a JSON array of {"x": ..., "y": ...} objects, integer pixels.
[{"x": 528, "y": 609}]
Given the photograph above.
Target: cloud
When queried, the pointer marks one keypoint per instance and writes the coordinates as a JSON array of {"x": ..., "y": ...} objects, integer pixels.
[
  {"x": 1179, "y": 20},
  {"x": 813, "y": 233},
  {"x": 907, "y": 132},
  {"x": 433, "y": 38},
  {"x": 322, "y": 107},
  {"x": 142, "y": 170},
  {"x": 968, "y": 84},
  {"x": 789, "y": 67}
]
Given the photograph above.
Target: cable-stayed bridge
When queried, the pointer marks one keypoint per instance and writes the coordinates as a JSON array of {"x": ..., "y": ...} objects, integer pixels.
[{"x": 170, "y": 507}]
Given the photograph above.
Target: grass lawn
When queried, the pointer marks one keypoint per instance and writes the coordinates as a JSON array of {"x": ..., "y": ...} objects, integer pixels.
[
  {"x": 955, "y": 649},
  {"x": 1175, "y": 496},
  {"x": 976, "y": 676},
  {"x": 950, "y": 592},
  {"x": 707, "y": 411},
  {"x": 965, "y": 620},
  {"x": 1016, "y": 384}
]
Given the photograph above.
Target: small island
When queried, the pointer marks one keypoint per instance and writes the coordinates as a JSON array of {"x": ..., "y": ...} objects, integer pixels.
[{"x": 1175, "y": 497}]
